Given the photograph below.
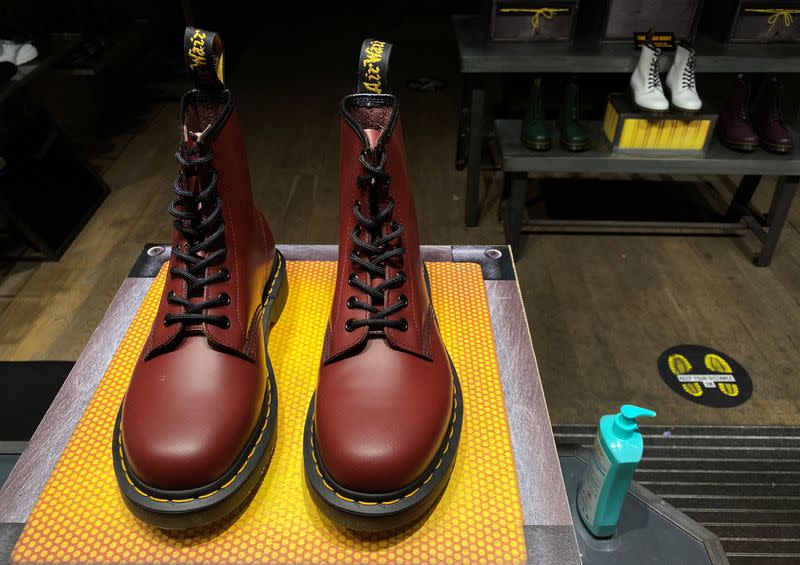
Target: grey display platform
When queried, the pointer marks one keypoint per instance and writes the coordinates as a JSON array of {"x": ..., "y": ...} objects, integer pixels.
[
  {"x": 480, "y": 58},
  {"x": 649, "y": 529},
  {"x": 549, "y": 533},
  {"x": 518, "y": 162}
]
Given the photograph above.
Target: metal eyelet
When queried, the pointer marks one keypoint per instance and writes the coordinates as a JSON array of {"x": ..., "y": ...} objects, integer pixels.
[
  {"x": 404, "y": 327},
  {"x": 351, "y": 302},
  {"x": 226, "y": 324},
  {"x": 225, "y": 273},
  {"x": 348, "y": 326},
  {"x": 402, "y": 275},
  {"x": 402, "y": 298},
  {"x": 225, "y": 297}
]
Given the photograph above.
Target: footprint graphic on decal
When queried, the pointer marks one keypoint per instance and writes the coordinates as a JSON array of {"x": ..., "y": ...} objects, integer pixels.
[
  {"x": 717, "y": 364},
  {"x": 679, "y": 365}
]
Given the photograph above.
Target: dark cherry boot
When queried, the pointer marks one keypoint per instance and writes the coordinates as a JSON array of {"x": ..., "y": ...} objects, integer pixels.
[
  {"x": 383, "y": 428},
  {"x": 772, "y": 131},
  {"x": 196, "y": 429},
  {"x": 735, "y": 126}
]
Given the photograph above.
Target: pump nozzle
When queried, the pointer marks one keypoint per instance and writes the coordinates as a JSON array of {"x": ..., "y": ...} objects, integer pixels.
[{"x": 625, "y": 421}]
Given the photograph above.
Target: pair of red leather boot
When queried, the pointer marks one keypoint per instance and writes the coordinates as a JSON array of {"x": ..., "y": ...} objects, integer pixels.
[{"x": 197, "y": 427}]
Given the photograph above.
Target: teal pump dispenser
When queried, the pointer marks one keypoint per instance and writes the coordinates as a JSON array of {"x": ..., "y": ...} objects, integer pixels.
[{"x": 616, "y": 454}]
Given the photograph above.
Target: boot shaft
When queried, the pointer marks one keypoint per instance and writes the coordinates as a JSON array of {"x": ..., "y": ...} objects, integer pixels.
[
  {"x": 570, "y": 104},
  {"x": 535, "y": 106},
  {"x": 646, "y": 74},
  {"x": 681, "y": 74},
  {"x": 223, "y": 249},
  {"x": 374, "y": 184},
  {"x": 738, "y": 106},
  {"x": 768, "y": 103}
]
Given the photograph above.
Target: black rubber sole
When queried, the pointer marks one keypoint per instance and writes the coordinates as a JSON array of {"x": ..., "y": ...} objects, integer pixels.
[
  {"x": 686, "y": 111},
  {"x": 537, "y": 145},
  {"x": 576, "y": 147},
  {"x": 743, "y": 147},
  {"x": 648, "y": 111},
  {"x": 180, "y": 510},
  {"x": 777, "y": 148},
  {"x": 371, "y": 512}
]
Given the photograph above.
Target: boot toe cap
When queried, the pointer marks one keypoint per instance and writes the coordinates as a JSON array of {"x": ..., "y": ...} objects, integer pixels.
[
  {"x": 185, "y": 422},
  {"x": 379, "y": 428}
]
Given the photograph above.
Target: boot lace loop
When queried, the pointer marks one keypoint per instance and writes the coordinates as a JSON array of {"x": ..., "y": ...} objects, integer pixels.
[
  {"x": 688, "y": 76},
  {"x": 653, "y": 79},
  {"x": 188, "y": 210},
  {"x": 375, "y": 252}
]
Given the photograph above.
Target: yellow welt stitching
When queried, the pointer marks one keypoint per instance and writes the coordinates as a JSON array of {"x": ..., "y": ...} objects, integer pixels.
[{"x": 412, "y": 493}]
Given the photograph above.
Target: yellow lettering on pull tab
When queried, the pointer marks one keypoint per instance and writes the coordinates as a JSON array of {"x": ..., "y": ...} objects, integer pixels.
[
  {"x": 373, "y": 57},
  {"x": 197, "y": 51}
]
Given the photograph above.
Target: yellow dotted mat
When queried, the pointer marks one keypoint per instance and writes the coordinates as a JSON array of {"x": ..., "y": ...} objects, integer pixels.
[{"x": 80, "y": 517}]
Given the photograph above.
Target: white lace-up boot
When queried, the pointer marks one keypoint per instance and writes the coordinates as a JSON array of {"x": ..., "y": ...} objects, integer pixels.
[
  {"x": 681, "y": 80},
  {"x": 648, "y": 94},
  {"x": 17, "y": 53}
]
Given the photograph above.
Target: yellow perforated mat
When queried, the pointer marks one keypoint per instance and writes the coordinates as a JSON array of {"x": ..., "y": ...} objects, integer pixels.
[{"x": 80, "y": 516}]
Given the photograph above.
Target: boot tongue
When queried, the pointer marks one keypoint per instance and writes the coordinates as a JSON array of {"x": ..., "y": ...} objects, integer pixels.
[
  {"x": 650, "y": 45},
  {"x": 372, "y": 137}
]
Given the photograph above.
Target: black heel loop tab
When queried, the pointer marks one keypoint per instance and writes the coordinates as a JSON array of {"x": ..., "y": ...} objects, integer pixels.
[
  {"x": 373, "y": 67},
  {"x": 204, "y": 56}
]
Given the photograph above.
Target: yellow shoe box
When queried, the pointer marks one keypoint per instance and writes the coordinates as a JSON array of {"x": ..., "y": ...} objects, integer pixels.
[{"x": 670, "y": 133}]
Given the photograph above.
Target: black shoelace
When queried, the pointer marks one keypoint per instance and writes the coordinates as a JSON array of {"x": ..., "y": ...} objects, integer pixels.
[
  {"x": 200, "y": 232},
  {"x": 376, "y": 252},
  {"x": 653, "y": 80},
  {"x": 688, "y": 78}
]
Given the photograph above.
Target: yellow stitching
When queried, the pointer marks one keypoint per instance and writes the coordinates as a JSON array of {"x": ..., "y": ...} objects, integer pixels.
[
  {"x": 410, "y": 494},
  {"x": 239, "y": 472}
]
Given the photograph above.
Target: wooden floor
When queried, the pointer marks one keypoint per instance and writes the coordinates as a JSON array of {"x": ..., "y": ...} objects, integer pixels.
[{"x": 601, "y": 308}]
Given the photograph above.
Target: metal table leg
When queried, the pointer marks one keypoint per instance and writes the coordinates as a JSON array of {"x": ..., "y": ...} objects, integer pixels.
[
  {"x": 514, "y": 209},
  {"x": 785, "y": 190},
  {"x": 475, "y": 135},
  {"x": 741, "y": 199}
]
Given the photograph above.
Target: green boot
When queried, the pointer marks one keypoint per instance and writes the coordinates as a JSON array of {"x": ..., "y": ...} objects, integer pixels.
[
  {"x": 574, "y": 136},
  {"x": 536, "y": 131}
]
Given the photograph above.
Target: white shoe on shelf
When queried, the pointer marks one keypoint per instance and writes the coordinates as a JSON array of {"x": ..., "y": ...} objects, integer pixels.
[
  {"x": 17, "y": 53},
  {"x": 681, "y": 80},
  {"x": 648, "y": 93}
]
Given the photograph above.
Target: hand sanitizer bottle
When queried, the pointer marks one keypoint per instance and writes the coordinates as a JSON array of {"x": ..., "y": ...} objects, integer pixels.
[{"x": 617, "y": 452}]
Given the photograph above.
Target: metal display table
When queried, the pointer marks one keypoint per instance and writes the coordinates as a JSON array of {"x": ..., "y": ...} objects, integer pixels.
[
  {"x": 549, "y": 532},
  {"x": 517, "y": 161},
  {"x": 480, "y": 57}
]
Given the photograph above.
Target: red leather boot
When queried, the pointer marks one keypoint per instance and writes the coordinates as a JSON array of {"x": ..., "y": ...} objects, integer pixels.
[
  {"x": 196, "y": 429},
  {"x": 383, "y": 428}
]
